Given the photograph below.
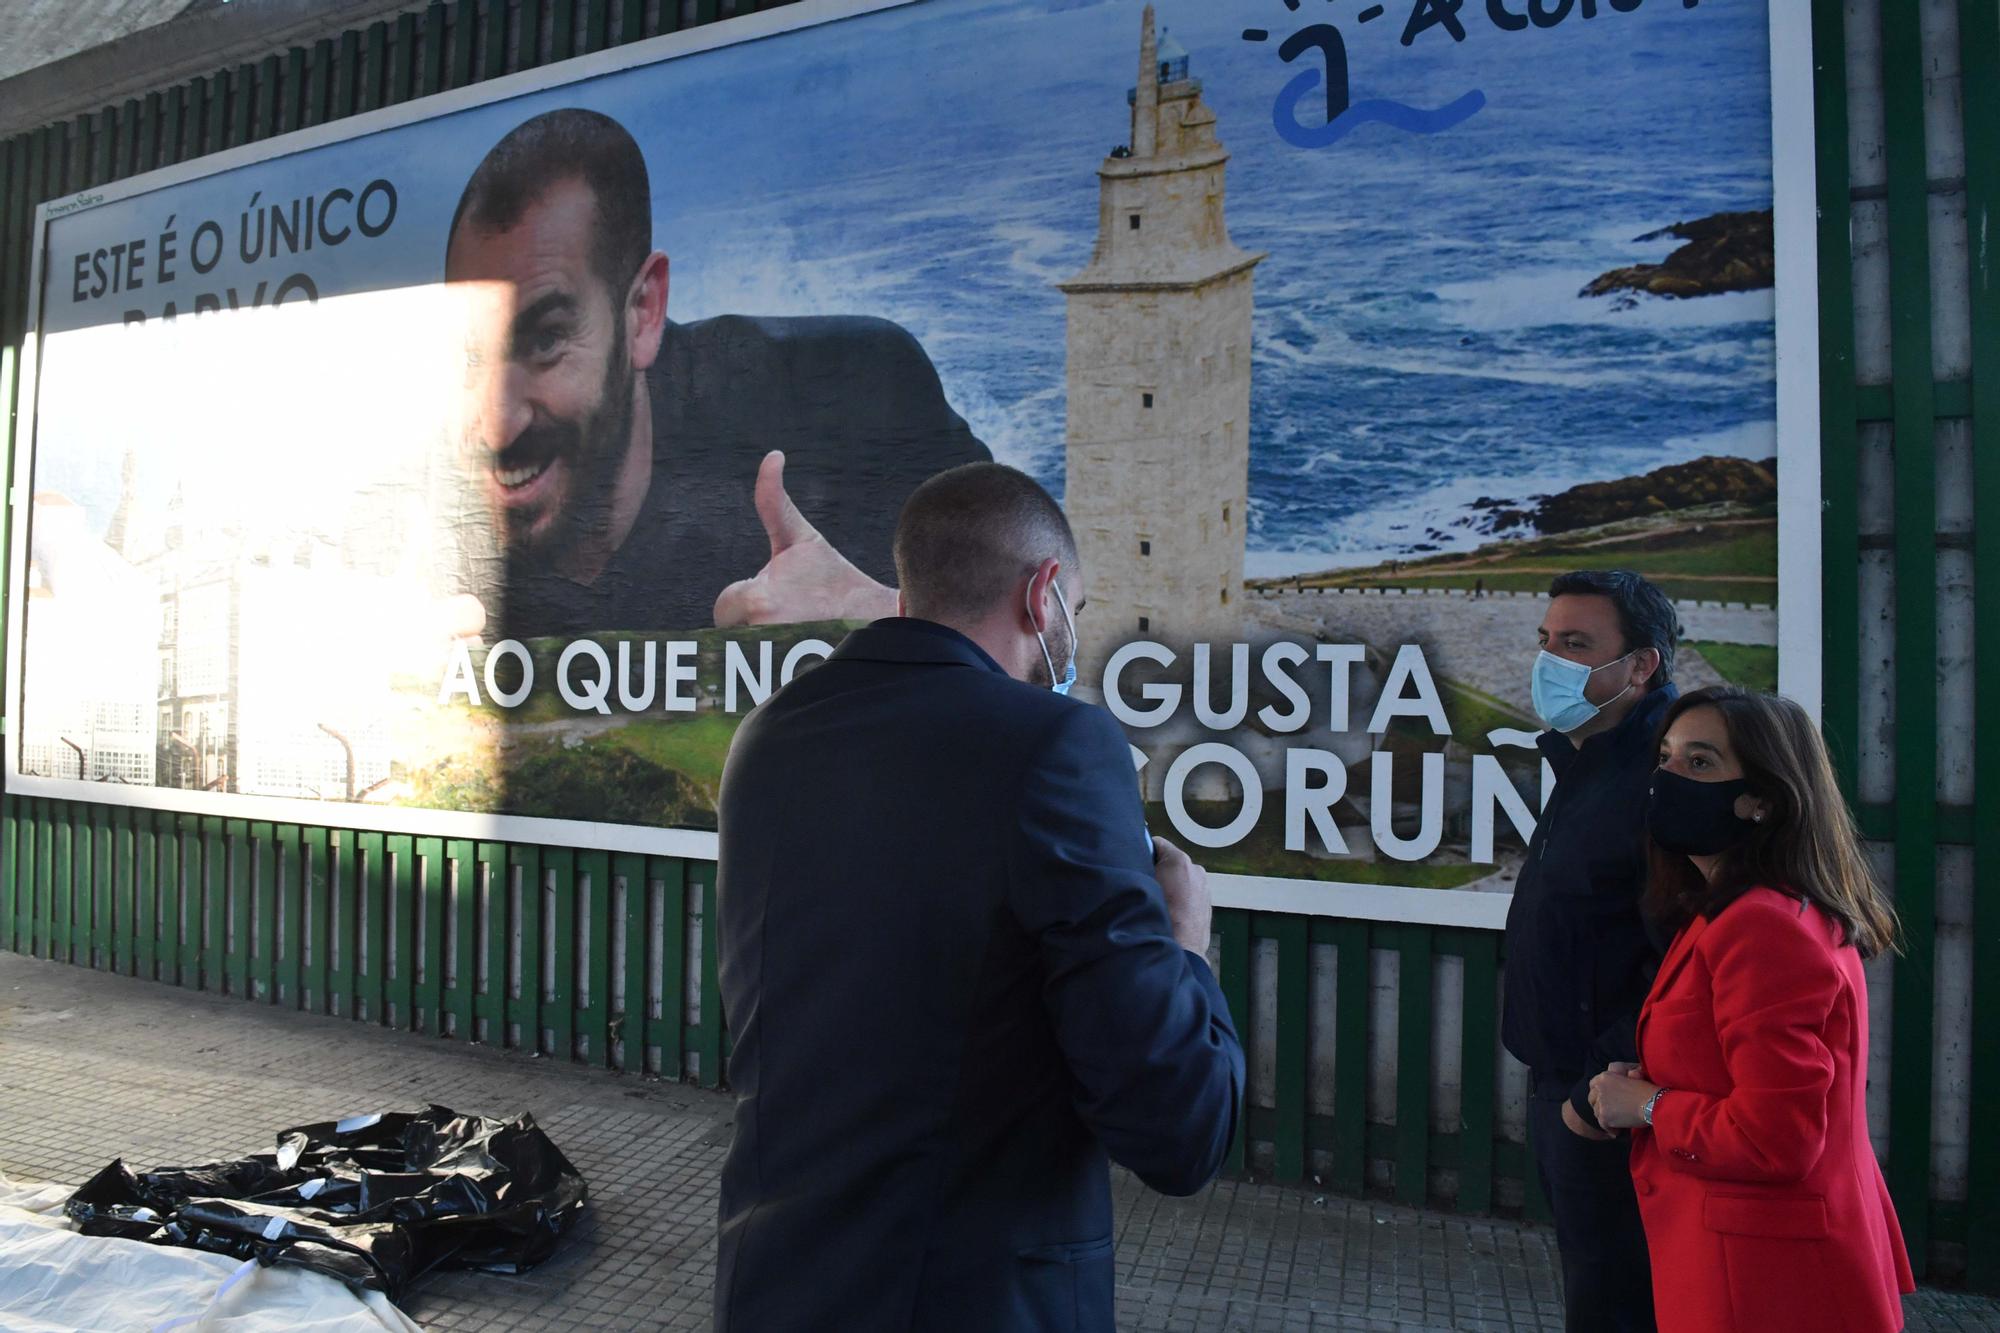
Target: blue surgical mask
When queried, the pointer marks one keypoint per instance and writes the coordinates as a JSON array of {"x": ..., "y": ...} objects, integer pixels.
[
  {"x": 1068, "y": 680},
  {"x": 1557, "y": 688}
]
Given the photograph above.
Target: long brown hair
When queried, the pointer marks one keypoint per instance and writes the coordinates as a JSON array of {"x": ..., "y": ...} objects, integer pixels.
[{"x": 1806, "y": 844}]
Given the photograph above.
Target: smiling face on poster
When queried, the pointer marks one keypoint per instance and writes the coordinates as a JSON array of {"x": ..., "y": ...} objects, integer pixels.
[{"x": 414, "y": 472}]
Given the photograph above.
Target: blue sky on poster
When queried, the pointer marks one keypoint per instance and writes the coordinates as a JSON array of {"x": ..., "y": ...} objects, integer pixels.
[{"x": 1419, "y": 338}]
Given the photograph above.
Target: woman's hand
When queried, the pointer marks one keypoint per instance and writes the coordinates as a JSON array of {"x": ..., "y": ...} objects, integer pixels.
[{"x": 1619, "y": 1095}]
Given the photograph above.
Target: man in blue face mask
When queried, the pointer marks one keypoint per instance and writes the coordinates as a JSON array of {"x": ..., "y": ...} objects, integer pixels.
[
  {"x": 1579, "y": 958},
  {"x": 959, "y": 981}
]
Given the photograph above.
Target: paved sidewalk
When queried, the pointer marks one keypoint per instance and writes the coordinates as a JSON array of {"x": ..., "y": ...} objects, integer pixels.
[{"x": 94, "y": 1067}]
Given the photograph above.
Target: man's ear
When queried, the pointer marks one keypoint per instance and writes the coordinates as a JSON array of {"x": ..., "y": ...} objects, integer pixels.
[
  {"x": 646, "y": 311},
  {"x": 1040, "y": 599},
  {"x": 1646, "y": 667}
]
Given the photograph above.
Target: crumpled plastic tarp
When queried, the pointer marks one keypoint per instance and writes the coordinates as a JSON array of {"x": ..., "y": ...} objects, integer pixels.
[
  {"x": 374, "y": 1200},
  {"x": 53, "y": 1280}
]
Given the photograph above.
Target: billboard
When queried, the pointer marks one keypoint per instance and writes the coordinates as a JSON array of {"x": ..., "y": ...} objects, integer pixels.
[{"x": 471, "y": 467}]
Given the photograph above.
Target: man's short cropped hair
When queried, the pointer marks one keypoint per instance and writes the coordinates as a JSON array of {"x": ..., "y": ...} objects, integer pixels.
[
  {"x": 967, "y": 536},
  {"x": 557, "y": 146},
  {"x": 1645, "y": 617}
]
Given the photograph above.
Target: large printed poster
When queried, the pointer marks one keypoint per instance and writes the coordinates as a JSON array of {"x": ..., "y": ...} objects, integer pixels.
[{"x": 462, "y": 470}]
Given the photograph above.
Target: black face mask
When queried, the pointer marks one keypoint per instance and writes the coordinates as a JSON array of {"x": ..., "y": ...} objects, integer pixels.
[{"x": 1695, "y": 818}]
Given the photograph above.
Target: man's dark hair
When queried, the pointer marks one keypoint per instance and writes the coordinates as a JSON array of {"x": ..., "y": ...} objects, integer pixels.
[
  {"x": 557, "y": 146},
  {"x": 1645, "y": 617},
  {"x": 968, "y": 535}
]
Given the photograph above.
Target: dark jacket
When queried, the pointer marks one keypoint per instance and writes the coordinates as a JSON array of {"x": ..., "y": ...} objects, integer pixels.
[
  {"x": 954, "y": 991},
  {"x": 1579, "y": 956}
]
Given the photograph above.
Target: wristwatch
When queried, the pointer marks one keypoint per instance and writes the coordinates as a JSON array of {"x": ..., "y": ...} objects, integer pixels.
[{"x": 1646, "y": 1113}]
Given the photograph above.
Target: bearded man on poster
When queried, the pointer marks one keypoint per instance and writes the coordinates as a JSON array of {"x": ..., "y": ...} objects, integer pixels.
[
  {"x": 633, "y": 473},
  {"x": 959, "y": 974}
]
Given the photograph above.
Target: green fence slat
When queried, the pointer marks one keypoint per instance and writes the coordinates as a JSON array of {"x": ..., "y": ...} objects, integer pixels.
[
  {"x": 291, "y": 916},
  {"x": 1478, "y": 1046},
  {"x": 44, "y": 908},
  {"x": 263, "y": 943},
  {"x": 346, "y": 75},
  {"x": 462, "y": 29},
  {"x": 214, "y": 113},
  {"x": 1232, "y": 929},
  {"x": 1413, "y": 1065},
  {"x": 494, "y": 939},
  {"x": 83, "y": 883},
  {"x": 1349, "y": 1169},
  {"x": 124, "y": 856},
  {"x": 214, "y": 899},
  {"x": 1979, "y": 58},
  {"x": 562, "y": 29},
  {"x": 400, "y": 955},
  {"x": 236, "y": 948},
  {"x": 105, "y": 856},
  {"x": 1904, "y": 69},
  {"x": 1292, "y": 1019},
  {"x": 102, "y": 135},
  {"x": 596, "y": 25},
  {"x": 264, "y": 116},
  {"x": 11, "y": 860},
  {"x": 14, "y": 865},
  {"x": 145, "y": 893},
  {"x": 524, "y": 1004},
  {"x": 629, "y": 1025},
  {"x": 370, "y": 982},
  {"x": 242, "y": 104},
  {"x": 594, "y": 1018},
  {"x": 427, "y": 1002},
  {"x": 61, "y": 904},
  {"x": 528, "y": 27},
  {"x": 167, "y": 935},
  {"x": 666, "y": 1029},
  {"x": 561, "y": 862},
  {"x": 708, "y": 1037},
  {"x": 345, "y": 886},
  {"x": 319, "y": 77},
  {"x": 318, "y": 889},
  {"x": 403, "y": 60},
  {"x": 463, "y": 977},
  {"x": 292, "y": 95},
  {"x": 374, "y": 75},
  {"x": 432, "y": 72},
  {"x": 705, "y": 11},
  {"x": 493, "y": 38},
  {"x": 188, "y": 899},
  {"x": 632, "y": 20}
]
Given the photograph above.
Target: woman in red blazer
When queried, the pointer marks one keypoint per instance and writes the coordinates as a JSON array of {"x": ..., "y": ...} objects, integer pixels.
[{"x": 1764, "y": 1207}]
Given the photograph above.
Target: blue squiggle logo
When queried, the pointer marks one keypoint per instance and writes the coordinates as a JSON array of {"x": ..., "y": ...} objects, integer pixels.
[{"x": 1414, "y": 120}]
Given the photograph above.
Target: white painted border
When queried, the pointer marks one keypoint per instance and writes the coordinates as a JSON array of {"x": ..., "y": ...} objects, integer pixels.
[
  {"x": 1795, "y": 200},
  {"x": 1795, "y": 194}
]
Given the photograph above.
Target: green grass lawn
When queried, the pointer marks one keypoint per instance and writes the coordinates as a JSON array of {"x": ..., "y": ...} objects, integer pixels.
[
  {"x": 1733, "y": 563},
  {"x": 694, "y": 746},
  {"x": 1753, "y": 666}
]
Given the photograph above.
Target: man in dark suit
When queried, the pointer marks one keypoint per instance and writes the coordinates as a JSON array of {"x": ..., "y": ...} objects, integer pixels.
[{"x": 959, "y": 974}]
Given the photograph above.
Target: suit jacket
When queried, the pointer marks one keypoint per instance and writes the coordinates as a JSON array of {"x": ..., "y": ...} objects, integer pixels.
[
  {"x": 954, "y": 991},
  {"x": 1763, "y": 1203}
]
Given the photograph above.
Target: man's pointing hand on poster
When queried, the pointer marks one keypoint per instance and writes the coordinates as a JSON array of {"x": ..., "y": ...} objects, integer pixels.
[{"x": 806, "y": 579}]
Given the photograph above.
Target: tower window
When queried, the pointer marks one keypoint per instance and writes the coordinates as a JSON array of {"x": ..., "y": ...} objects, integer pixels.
[
  {"x": 1145, "y": 547},
  {"x": 1145, "y": 624},
  {"x": 1225, "y": 597},
  {"x": 1146, "y": 400},
  {"x": 1132, "y": 221},
  {"x": 1225, "y": 516}
]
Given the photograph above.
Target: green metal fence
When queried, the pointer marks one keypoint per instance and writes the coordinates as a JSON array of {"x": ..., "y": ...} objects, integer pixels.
[{"x": 603, "y": 958}]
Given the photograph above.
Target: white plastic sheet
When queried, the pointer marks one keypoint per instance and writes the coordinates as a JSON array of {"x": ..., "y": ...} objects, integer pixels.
[{"x": 53, "y": 1280}]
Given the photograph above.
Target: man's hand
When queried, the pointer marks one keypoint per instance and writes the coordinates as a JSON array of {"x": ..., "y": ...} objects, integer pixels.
[
  {"x": 1189, "y": 906},
  {"x": 806, "y": 579},
  {"x": 1580, "y": 1127}
]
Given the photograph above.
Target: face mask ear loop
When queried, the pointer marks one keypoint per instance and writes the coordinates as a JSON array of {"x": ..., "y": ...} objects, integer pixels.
[
  {"x": 1069, "y": 672},
  {"x": 1029, "y": 606}
]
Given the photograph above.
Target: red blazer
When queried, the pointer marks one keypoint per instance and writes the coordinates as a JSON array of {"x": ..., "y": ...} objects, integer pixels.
[{"x": 1765, "y": 1209}]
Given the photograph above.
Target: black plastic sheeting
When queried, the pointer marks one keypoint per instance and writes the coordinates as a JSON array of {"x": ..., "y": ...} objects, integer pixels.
[{"x": 376, "y": 1200}]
